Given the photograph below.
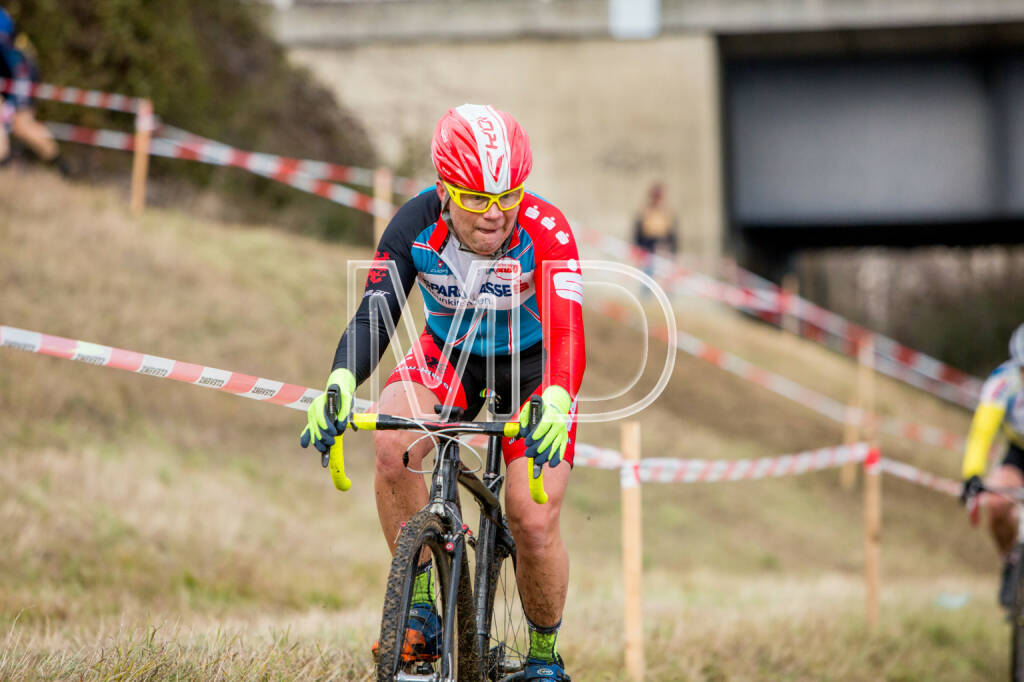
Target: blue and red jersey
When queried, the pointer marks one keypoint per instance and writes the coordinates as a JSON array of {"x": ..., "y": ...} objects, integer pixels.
[{"x": 528, "y": 293}]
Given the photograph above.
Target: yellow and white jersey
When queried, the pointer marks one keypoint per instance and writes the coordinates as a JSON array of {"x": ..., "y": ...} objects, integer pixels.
[{"x": 1002, "y": 404}]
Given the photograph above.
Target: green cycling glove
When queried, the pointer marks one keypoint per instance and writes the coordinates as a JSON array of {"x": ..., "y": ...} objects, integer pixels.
[
  {"x": 321, "y": 427},
  {"x": 548, "y": 440}
]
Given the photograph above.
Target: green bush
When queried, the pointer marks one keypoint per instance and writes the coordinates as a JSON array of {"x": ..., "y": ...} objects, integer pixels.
[{"x": 209, "y": 67}]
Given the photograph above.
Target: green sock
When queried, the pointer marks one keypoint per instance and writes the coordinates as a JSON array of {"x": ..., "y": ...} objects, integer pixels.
[
  {"x": 423, "y": 585},
  {"x": 542, "y": 641}
]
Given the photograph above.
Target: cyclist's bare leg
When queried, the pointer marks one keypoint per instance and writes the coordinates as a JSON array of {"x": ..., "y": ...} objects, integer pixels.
[
  {"x": 1002, "y": 513},
  {"x": 542, "y": 570},
  {"x": 34, "y": 134},
  {"x": 400, "y": 493}
]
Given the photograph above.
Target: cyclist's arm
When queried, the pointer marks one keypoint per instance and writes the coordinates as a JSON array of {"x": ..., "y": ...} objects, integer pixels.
[
  {"x": 559, "y": 284},
  {"x": 387, "y": 286},
  {"x": 985, "y": 424}
]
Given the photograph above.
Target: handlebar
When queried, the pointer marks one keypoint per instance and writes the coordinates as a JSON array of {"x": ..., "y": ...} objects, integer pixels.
[
  {"x": 1012, "y": 493},
  {"x": 537, "y": 492},
  {"x": 334, "y": 460}
]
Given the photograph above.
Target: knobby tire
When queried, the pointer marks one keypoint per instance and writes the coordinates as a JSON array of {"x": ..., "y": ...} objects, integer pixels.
[
  {"x": 1017, "y": 622},
  {"x": 425, "y": 530}
]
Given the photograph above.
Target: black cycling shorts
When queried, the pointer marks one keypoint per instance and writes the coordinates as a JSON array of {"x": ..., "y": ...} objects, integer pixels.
[{"x": 1014, "y": 457}]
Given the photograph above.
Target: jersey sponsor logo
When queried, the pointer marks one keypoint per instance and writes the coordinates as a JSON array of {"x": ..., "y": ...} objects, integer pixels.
[
  {"x": 562, "y": 237},
  {"x": 431, "y": 378},
  {"x": 548, "y": 222},
  {"x": 996, "y": 390},
  {"x": 453, "y": 291},
  {"x": 496, "y": 289},
  {"x": 378, "y": 272},
  {"x": 507, "y": 270},
  {"x": 450, "y": 290},
  {"x": 532, "y": 212},
  {"x": 569, "y": 285}
]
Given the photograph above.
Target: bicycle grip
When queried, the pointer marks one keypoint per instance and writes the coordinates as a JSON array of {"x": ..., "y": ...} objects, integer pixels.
[
  {"x": 336, "y": 456},
  {"x": 537, "y": 492}
]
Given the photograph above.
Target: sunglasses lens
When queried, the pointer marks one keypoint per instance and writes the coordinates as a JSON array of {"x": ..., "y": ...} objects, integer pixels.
[
  {"x": 471, "y": 201},
  {"x": 510, "y": 198},
  {"x": 479, "y": 202}
]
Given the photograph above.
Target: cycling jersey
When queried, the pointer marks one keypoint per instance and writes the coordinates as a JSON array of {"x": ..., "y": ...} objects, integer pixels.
[
  {"x": 1002, "y": 403},
  {"x": 15, "y": 65},
  {"x": 530, "y": 291}
]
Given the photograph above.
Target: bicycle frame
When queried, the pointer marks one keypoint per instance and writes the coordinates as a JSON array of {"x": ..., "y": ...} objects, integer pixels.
[
  {"x": 1016, "y": 610},
  {"x": 495, "y": 542}
]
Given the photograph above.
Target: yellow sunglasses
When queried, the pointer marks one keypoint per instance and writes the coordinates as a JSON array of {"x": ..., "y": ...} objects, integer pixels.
[{"x": 480, "y": 202}]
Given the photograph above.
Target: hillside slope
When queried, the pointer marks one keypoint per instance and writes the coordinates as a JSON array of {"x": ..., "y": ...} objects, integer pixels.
[{"x": 132, "y": 503}]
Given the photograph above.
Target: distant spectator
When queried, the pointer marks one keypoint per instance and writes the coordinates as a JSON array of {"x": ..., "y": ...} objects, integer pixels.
[
  {"x": 16, "y": 62},
  {"x": 655, "y": 226}
]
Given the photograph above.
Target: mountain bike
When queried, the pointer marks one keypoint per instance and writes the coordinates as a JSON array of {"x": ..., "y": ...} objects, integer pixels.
[
  {"x": 1015, "y": 612},
  {"x": 484, "y": 634}
]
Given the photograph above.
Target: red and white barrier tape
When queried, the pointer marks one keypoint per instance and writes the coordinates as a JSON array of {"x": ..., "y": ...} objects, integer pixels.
[
  {"x": 822, "y": 404},
  {"x": 919, "y": 368},
  {"x": 656, "y": 470},
  {"x": 666, "y": 470},
  {"x": 245, "y": 385},
  {"x": 273, "y": 165},
  {"x": 315, "y": 177},
  {"x": 923, "y": 478},
  {"x": 260, "y": 164},
  {"x": 58, "y": 93},
  {"x": 769, "y": 302}
]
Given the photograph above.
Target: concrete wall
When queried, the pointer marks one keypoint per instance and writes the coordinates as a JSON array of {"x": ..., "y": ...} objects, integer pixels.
[
  {"x": 605, "y": 118},
  {"x": 335, "y": 22}
]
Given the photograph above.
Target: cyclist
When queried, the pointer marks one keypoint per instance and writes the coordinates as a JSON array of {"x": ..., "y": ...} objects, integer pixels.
[
  {"x": 499, "y": 273},
  {"x": 16, "y": 63},
  {"x": 1002, "y": 403}
]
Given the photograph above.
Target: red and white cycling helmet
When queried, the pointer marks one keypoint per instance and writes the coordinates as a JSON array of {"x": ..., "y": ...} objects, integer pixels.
[{"x": 481, "y": 148}]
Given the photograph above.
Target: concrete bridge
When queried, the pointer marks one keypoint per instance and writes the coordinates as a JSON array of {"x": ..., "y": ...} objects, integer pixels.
[{"x": 776, "y": 124}]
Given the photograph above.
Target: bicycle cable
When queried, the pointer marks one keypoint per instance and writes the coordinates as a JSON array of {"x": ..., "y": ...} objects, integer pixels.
[{"x": 433, "y": 436}]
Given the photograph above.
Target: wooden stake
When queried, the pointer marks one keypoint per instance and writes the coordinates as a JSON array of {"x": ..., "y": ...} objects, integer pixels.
[
  {"x": 140, "y": 163},
  {"x": 872, "y": 537},
  {"x": 788, "y": 321},
  {"x": 852, "y": 429},
  {"x": 872, "y": 490},
  {"x": 382, "y": 181},
  {"x": 867, "y": 368},
  {"x": 632, "y": 552}
]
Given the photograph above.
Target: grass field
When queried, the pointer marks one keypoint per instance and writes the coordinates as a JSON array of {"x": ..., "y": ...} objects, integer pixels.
[{"x": 155, "y": 531}]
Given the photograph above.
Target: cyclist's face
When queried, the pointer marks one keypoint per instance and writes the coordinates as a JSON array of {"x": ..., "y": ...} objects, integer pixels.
[{"x": 481, "y": 233}]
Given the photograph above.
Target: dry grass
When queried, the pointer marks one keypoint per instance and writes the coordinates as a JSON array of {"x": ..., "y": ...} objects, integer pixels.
[{"x": 156, "y": 531}]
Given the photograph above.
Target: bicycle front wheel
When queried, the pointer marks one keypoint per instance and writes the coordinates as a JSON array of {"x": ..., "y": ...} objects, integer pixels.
[
  {"x": 503, "y": 640},
  {"x": 1017, "y": 623},
  {"x": 422, "y": 538}
]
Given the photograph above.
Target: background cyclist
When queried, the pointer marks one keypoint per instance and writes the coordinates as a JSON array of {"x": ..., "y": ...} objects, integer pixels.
[
  {"x": 17, "y": 62},
  {"x": 499, "y": 272},
  {"x": 1002, "y": 404}
]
